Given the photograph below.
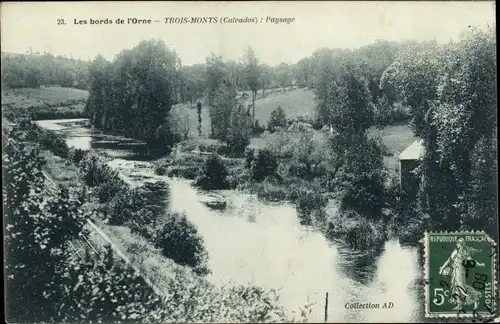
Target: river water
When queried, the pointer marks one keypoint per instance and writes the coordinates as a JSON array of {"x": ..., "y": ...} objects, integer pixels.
[{"x": 260, "y": 243}]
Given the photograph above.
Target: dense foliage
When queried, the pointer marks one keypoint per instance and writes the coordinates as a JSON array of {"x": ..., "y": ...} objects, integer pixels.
[
  {"x": 213, "y": 174},
  {"x": 264, "y": 164},
  {"x": 277, "y": 120},
  {"x": 31, "y": 70},
  {"x": 133, "y": 95},
  {"x": 36, "y": 227},
  {"x": 178, "y": 239}
]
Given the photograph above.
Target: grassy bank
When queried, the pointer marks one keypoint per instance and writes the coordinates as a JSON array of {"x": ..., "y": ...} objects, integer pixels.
[
  {"x": 187, "y": 296},
  {"x": 309, "y": 196},
  {"x": 44, "y": 103}
]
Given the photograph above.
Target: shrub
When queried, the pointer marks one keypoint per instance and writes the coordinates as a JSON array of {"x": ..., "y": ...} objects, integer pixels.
[
  {"x": 144, "y": 204},
  {"x": 264, "y": 165},
  {"x": 95, "y": 170},
  {"x": 357, "y": 231},
  {"x": 277, "y": 120},
  {"x": 213, "y": 174},
  {"x": 179, "y": 240},
  {"x": 258, "y": 129},
  {"x": 53, "y": 142},
  {"x": 249, "y": 155},
  {"x": 186, "y": 172},
  {"x": 111, "y": 187},
  {"x": 76, "y": 155},
  {"x": 310, "y": 202},
  {"x": 160, "y": 170}
]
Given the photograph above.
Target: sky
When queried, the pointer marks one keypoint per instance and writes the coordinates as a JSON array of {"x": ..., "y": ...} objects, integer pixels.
[{"x": 316, "y": 25}]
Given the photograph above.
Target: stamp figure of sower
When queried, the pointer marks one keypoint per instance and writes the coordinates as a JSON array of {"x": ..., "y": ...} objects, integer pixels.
[
  {"x": 460, "y": 274},
  {"x": 462, "y": 293}
]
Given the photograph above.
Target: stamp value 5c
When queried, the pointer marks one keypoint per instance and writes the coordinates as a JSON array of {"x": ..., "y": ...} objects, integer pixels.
[{"x": 460, "y": 275}]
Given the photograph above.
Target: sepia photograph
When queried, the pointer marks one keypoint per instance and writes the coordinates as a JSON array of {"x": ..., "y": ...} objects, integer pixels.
[{"x": 244, "y": 162}]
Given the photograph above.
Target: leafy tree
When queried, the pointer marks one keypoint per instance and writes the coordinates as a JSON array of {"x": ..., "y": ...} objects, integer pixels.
[
  {"x": 213, "y": 174},
  {"x": 240, "y": 129},
  {"x": 36, "y": 227},
  {"x": 343, "y": 100},
  {"x": 264, "y": 164},
  {"x": 303, "y": 72},
  {"x": 459, "y": 136},
  {"x": 179, "y": 240},
  {"x": 252, "y": 75},
  {"x": 265, "y": 77},
  {"x": 277, "y": 119},
  {"x": 133, "y": 95},
  {"x": 198, "y": 111},
  {"x": 414, "y": 74},
  {"x": 284, "y": 75}
]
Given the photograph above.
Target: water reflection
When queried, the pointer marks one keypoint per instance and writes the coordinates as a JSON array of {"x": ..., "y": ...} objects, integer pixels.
[{"x": 254, "y": 242}]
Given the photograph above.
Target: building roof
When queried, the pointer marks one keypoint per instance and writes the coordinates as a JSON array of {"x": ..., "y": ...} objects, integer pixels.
[{"x": 413, "y": 152}]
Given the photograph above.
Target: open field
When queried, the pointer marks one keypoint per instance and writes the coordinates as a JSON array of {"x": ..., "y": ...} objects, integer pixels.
[
  {"x": 295, "y": 102},
  {"x": 46, "y": 103},
  {"x": 28, "y": 97}
]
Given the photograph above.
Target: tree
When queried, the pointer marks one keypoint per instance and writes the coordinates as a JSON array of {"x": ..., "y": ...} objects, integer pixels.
[
  {"x": 284, "y": 75},
  {"x": 252, "y": 75},
  {"x": 213, "y": 174},
  {"x": 459, "y": 135},
  {"x": 303, "y": 72},
  {"x": 266, "y": 77},
  {"x": 217, "y": 80},
  {"x": 198, "y": 111},
  {"x": 240, "y": 129},
  {"x": 277, "y": 119},
  {"x": 415, "y": 76},
  {"x": 343, "y": 100},
  {"x": 181, "y": 122},
  {"x": 264, "y": 164},
  {"x": 133, "y": 95},
  {"x": 221, "y": 110}
]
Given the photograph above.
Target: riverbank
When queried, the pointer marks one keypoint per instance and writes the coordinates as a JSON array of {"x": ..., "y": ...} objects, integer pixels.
[
  {"x": 315, "y": 207},
  {"x": 197, "y": 297}
]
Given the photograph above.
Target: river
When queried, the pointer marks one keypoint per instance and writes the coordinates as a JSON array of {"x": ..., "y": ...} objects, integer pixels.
[{"x": 255, "y": 242}]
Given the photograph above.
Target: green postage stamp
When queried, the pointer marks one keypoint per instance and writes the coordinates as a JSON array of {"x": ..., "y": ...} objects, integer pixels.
[{"x": 460, "y": 269}]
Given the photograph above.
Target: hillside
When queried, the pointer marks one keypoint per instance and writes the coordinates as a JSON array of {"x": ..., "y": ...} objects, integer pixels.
[
  {"x": 296, "y": 102},
  {"x": 45, "y": 102}
]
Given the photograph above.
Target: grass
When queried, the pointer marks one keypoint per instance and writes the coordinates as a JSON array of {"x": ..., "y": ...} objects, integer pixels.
[
  {"x": 28, "y": 97},
  {"x": 397, "y": 138},
  {"x": 62, "y": 171},
  {"x": 295, "y": 102},
  {"x": 46, "y": 103}
]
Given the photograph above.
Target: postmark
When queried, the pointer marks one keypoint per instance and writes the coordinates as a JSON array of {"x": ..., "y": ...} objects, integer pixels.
[{"x": 460, "y": 274}]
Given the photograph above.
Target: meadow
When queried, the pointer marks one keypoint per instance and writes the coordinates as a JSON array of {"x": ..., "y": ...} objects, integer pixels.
[{"x": 45, "y": 102}]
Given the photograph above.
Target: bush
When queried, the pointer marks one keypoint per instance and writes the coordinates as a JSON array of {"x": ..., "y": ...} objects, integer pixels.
[
  {"x": 310, "y": 203},
  {"x": 76, "y": 155},
  {"x": 213, "y": 174},
  {"x": 258, "y": 129},
  {"x": 110, "y": 188},
  {"x": 53, "y": 142},
  {"x": 186, "y": 172},
  {"x": 144, "y": 204},
  {"x": 249, "y": 156},
  {"x": 277, "y": 120},
  {"x": 160, "y": 170},
  {"x": 95, "y": 171},
  {"x": 179, "y": 240},
  {"x": 264, "y": 165},
  {"x": 355, "y": 230}
]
